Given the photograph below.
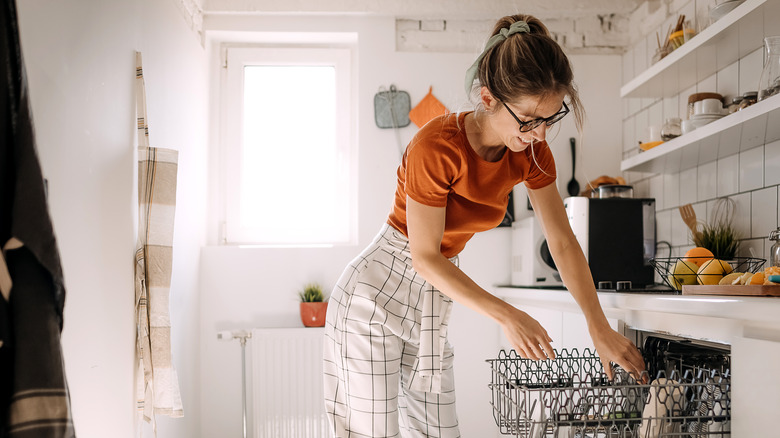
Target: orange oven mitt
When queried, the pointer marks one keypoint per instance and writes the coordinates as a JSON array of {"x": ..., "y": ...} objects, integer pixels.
[{"x": 428, "y": 108}]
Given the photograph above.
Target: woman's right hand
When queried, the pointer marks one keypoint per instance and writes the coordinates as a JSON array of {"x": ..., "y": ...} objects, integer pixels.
[{"x": 527, "y": 336}]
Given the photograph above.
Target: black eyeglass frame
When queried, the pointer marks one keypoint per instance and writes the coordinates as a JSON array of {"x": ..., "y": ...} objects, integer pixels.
[{"x": 535, "y": 123}]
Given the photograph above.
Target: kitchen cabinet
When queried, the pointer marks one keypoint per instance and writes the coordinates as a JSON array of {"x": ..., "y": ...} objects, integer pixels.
[
  {"x": 564, "y": 323},
  {"x": 754, "y": 366},
  {"x": 714, "y": 48}
]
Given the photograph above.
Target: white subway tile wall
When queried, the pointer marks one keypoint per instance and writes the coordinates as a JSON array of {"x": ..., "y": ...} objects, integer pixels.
[
  {"x": 728, "y": 81},
  {"x": 772, "y": 163},
  {"x": 656, "y": 114},
  {"x": 771, "y": 23},
  {"x": 671, "y": 190},
  {"x": 751, "y": 169},
  {"x": 709, "y": 84},
  {"x": 750, "y": 177},
  {"x": 728, "y": 175},
  {"x": 688, "y": 186},
  {"x": 707, "y": 181},
  {"x": 701, "y": 212},
  {"x": 763, "y": 211},
  {"x": 671, "y": 105},
  {"x": 663, "y": 226},
  {"x": 750, "y": 70}
]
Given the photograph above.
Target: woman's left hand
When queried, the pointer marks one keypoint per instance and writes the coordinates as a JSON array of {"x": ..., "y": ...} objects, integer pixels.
[{"x": 614, "y": 347}]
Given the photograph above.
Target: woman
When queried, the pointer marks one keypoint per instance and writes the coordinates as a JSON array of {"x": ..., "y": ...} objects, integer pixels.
[{"x": 387, "y": 359}]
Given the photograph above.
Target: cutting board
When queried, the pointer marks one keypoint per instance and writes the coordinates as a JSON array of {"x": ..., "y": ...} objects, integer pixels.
[{"x": 741, "y": 290}]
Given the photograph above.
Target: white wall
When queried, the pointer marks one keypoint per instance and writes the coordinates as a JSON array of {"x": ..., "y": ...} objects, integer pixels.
[
  {"x": 80, "y": 59},
  {"x": 254, "y": 287}
]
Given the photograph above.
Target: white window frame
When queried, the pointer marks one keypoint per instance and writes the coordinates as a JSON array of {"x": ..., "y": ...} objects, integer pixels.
[{"x": 232, "y": 127}]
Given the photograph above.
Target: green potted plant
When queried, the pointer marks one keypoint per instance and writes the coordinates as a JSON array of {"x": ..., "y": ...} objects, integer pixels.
[
  {"x": 313, "y": 305},
  {"x": 722, "y": 240},
  {"x": 720, "y": 236}
]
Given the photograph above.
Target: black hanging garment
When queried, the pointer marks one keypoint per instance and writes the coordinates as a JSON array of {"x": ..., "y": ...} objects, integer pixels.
[{"x": 34, "y": 399}]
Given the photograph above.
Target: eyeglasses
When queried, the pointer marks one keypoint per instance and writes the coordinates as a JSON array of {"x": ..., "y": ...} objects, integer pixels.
[{"x": 535, "y": 123}]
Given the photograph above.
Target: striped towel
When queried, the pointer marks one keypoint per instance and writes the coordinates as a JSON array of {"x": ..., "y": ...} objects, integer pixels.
[
  {"x": 158, "y": 385},
  {"x": 34, "y": 398}
]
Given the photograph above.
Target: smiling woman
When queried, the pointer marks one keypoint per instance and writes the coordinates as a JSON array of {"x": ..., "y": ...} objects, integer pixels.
[{"x": 388, "y": 366}]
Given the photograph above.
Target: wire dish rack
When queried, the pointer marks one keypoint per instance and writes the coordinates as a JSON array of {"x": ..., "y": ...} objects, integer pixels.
[
  {"x": 665, "y": 267},
  {"x": 571, "y": 397}
]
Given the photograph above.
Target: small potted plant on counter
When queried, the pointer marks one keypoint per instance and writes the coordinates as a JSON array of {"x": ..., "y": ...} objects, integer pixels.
[
  {"x": 313, "y": 306},
  {"x": 720, "y": 236}
]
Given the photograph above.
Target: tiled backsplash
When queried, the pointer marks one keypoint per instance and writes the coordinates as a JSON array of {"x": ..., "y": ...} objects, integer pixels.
[{"x": 751, "y": 178}]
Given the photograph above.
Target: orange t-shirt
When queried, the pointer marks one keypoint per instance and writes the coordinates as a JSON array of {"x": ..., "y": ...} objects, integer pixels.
[{"x": 441, "y": 169}]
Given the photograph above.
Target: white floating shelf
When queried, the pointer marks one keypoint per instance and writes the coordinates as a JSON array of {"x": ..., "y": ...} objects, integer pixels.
[
  {"x": 751, "y": 127},
  {"x": 716, "y": 47}
]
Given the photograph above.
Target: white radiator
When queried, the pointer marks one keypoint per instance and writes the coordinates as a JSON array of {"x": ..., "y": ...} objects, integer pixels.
[{"x": 287, "y": 383}]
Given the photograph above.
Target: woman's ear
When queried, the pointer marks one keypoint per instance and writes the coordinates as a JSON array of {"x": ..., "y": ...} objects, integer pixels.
[{"x": 488, "y": 101}]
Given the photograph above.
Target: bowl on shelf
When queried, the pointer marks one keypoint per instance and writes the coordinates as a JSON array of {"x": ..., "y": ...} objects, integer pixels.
[
  {"x": 719, "y": 11},
  {"x": 699, "y": 120}
]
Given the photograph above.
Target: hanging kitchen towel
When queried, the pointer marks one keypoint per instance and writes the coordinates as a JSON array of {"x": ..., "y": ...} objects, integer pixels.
[
  {"x": 34, "y": 399},
  {"x": 158, "y": 384},
  {"x": 428, "y": 108}
]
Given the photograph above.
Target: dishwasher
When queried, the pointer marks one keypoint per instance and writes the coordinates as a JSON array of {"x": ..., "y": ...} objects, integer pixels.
[{"x": 687, "y": 393}]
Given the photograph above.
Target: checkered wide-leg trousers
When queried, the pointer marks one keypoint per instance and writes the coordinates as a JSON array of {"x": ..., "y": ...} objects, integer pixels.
[{"x": 371, "y": 349}]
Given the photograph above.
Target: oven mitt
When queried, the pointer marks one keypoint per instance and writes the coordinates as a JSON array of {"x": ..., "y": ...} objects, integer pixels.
[
  {"x": 428, "y": 108},
  {"x": 391, "y": 108}
]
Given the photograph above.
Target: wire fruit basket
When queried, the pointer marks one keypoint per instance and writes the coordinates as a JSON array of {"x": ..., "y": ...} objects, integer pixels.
[
  {"x": 679, "y": 271},
  {"x": 571, "y": 397}
]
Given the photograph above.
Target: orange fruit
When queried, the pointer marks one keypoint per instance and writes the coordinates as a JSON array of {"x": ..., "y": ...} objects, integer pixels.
[
  {"x": 698, "y": 255},
  {"x": 757, "y": 278}
]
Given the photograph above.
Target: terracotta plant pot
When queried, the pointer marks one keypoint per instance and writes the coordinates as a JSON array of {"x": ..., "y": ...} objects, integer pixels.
[{"x": 313, "y": 314}]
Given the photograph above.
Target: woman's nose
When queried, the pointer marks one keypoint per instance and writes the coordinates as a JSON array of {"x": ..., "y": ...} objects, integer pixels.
[{"x": 540, "y": 132}]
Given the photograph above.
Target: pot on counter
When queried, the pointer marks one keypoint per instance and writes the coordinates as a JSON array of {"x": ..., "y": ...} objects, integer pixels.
[{"x": 613, "y": 191}]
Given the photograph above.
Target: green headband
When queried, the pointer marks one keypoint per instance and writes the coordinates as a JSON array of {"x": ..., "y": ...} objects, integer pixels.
[{"x": 504, "y": 33}]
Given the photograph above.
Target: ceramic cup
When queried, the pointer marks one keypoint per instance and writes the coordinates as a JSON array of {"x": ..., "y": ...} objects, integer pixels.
[
  {"x": 708, "y": 106},
  {"x": 653, "y": 133}
]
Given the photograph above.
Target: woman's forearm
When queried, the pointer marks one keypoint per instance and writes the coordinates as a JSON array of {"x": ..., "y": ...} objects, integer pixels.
[
  {"x": 566, "y": 251},
  {"x": 453, "y": 282}
]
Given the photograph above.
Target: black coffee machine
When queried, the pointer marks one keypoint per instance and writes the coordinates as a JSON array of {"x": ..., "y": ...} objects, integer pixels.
[{"x": 617, "y": 236}]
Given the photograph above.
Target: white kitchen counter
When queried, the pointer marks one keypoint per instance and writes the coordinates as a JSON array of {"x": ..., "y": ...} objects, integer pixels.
[{"x": 755, "y": 310}]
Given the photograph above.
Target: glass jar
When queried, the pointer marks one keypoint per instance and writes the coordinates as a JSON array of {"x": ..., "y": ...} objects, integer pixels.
[
  {"x": 769, "y": 84},
  {"x": 774, "y": 253},
  {"x": 748, "y": 99},
  {"x": 695, "y": 97},
  {"x": 671, "y": 129},
  {"x": 734, "y": 105}
]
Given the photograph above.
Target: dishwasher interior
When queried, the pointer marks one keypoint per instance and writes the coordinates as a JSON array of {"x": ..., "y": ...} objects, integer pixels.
[{"x": 687, "y": 393}]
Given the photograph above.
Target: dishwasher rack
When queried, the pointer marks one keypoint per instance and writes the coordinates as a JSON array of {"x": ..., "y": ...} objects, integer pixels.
[{"x": 571, "y": 397}]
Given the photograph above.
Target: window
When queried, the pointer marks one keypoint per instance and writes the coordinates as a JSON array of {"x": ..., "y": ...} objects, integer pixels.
[{"x": 290, "y": 162}]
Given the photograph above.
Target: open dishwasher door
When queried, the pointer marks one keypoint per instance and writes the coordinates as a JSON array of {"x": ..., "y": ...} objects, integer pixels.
[{"x": 688, "y": 393}]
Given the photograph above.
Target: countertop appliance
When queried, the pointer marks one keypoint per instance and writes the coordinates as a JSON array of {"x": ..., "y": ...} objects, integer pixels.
[
  {"x": 532, "y": 264},
  {"x": 617, "y": 236}
]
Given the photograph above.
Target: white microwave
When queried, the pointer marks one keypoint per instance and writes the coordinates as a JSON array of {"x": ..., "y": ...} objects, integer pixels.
[{"x": 532, "y": 264}]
